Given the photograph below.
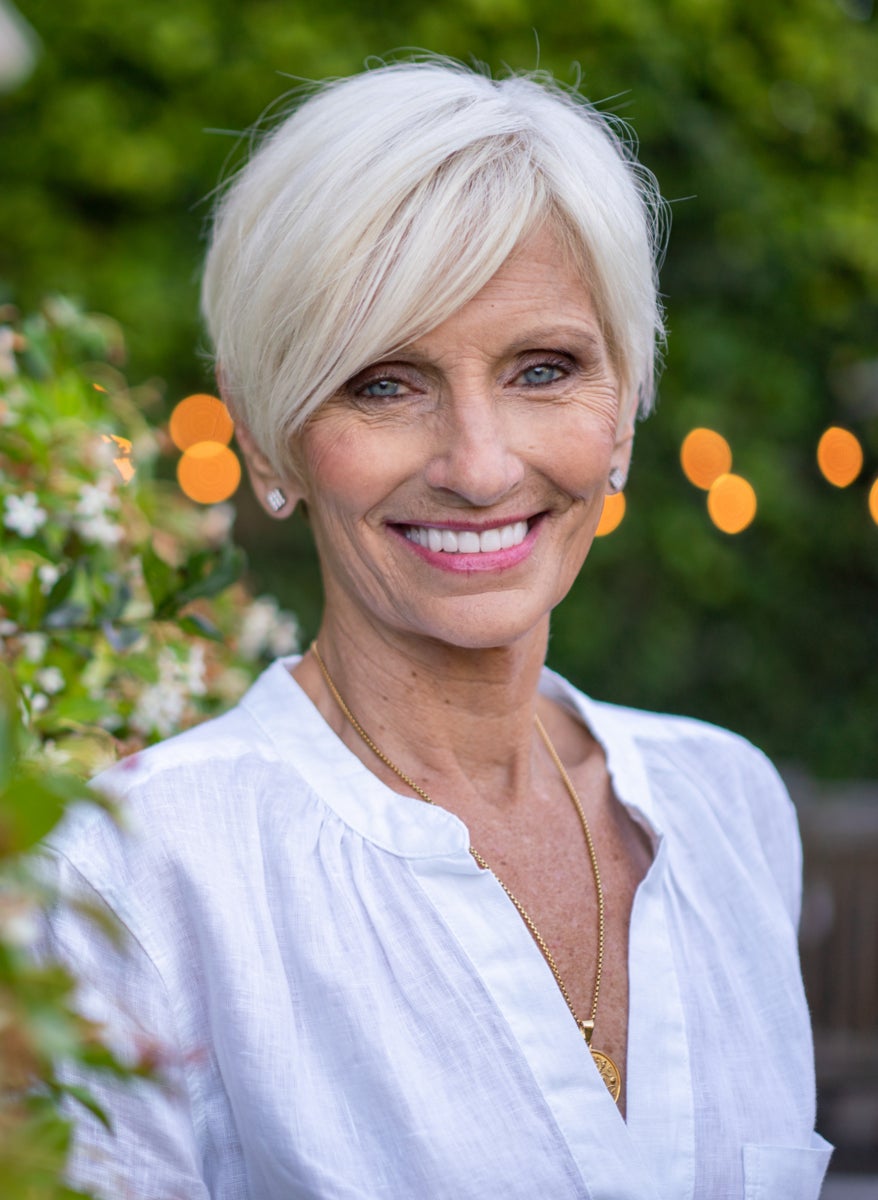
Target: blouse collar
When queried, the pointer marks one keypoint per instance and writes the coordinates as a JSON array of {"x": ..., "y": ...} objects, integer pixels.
[{"x": 403, "y": 824}]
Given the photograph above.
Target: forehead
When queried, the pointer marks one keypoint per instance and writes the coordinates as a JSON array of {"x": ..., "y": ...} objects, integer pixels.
[{"x": 537, "y": 295}]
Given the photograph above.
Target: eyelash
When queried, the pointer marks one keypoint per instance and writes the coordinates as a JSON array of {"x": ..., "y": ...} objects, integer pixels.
[
  {"x": 359, "y": 388},
  {"x": 556, "y": 362}
]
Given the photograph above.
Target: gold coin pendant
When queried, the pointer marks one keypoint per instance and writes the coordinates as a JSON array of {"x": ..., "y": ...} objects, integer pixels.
[{"x": 609, "y": 1073}]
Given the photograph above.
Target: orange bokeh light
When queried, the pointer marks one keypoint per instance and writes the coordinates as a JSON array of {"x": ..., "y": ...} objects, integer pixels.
[
  {"x": 612, "y": 514},
  {"x": 839, "y": 456},
  {"x": 704, "y": 456},
  {"x": 873, "y": 501},
  {"x": 200, "y": 418},
  {"x": 731, "y": 503},
  {"x": 209, "y": 472}
]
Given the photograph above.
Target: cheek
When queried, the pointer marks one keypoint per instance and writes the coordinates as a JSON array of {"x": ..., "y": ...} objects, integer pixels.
[
  {"x": 578, "y": 456},
  {"x": 347, "y": 469},
  {"x": 331, "y": 462}
]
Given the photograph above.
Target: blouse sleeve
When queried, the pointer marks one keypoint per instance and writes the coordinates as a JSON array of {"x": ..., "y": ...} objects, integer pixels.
[
  {"x": 777, "y": 826},
  {"x": 151, "y": 1152}
]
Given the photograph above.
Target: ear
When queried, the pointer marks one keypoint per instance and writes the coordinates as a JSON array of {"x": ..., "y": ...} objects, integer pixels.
[
  {"x": 264, "y": 478},
  {"x": 620, "y": 459}
]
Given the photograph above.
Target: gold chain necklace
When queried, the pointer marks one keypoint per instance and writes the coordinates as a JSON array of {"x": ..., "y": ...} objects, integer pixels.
[{"x": 608, "y": 1070}]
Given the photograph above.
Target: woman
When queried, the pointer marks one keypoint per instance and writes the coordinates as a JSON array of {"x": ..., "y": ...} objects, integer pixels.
[{"x": 418, "y": 919}]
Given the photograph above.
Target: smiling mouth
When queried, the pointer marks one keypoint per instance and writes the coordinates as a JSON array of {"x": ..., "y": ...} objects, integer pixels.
[{"x": 468, "y": 541}]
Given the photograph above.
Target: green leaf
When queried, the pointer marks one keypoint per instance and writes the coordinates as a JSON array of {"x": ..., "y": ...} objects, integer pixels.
[
  {"x": 196, "y": 624},
  {"x": 162, "y": 580},
  {"x": 10, "y": 723},
  {"x": 61, "y": 589},
  {"x": 119, "y": 598},
  {"x": 121, "y": 637},
  {"x": 70, "y": 615},
  {"x": 85, "y": 1098},
  {"x": 29, "y": 808},
  {"x": 228, "y": 569}
]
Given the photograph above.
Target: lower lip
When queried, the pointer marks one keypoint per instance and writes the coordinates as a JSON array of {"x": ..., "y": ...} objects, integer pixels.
[{"x": 470, "y": 564}]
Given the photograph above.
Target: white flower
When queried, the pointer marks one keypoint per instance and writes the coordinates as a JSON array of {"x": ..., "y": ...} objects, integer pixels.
[
  {"x": 38, "y": 702},
  {"x": 34, "y": 646},
  {"x": 51, "y": 680},
  {"x": 48, "y": 575},
  {"x": 8, "y": 628},
  {"x": 96, "y": 500},
  {"x": 24, "y": 515},
  {"x": 266, "y": 629},
  {"x": 194, "y": 672},
  {"x": 91, "y": 515},
  {"x": 100, "y": 531},
  {"x": 159, "y": 709},
  {"x": 285, "y": 635}
]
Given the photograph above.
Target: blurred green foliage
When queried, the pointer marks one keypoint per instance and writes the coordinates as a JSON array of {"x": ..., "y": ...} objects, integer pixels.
[
  {"x": 121, "y": 622},
  {"x": 760, "y": 122},
  {"x": 40, "y": 1030}
]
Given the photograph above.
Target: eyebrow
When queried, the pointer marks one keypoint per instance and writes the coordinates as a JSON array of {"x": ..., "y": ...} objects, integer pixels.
[
  {"x": 587, "y": 339},
  {"x": 546, "y": 337}
]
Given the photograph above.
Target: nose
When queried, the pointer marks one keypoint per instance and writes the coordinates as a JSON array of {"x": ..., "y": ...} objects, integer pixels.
[{"x": 476, "y": 456}]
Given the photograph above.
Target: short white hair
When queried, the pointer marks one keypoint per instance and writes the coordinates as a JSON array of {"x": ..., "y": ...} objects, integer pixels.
[{"x": 387, "y": 200}]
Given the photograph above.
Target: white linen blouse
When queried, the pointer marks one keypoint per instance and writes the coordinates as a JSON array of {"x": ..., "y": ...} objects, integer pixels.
[{"x": 347, "y": 1007}]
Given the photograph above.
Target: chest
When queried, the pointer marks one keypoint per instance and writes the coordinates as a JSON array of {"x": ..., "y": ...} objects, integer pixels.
[{"x": 555, "y": 880}]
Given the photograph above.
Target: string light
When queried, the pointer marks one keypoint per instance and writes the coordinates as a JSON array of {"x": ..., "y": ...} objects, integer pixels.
[
  {"x": 209, "y": 472},
  {"x": 839, "y": 456},
  {"x": 873, "y": 502},
  {"x": 611, "y": 514},
  {"x": 704, "y": 456},
  {"x": 731, "y": 503},
  {"x": 200, "y": 418}
]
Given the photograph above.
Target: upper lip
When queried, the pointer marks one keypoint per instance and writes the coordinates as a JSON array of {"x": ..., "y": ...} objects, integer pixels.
[{"x": 466, "y": 526}]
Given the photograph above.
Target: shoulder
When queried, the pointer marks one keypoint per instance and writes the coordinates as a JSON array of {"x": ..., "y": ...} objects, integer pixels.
[
  {"x": 196, "y": 804},
  {"x": 718, "y": 797},
  {"x": 673, "y": 742},
  {"x": 722, "y": 763}
]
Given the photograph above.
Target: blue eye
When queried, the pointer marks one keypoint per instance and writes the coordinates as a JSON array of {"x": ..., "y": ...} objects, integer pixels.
[
  {"x": 541, "y": 373},
  {"x": 381, "y": 387}
]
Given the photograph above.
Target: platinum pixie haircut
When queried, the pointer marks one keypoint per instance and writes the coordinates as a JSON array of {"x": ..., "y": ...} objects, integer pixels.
[{"x": 387, "y": 200}]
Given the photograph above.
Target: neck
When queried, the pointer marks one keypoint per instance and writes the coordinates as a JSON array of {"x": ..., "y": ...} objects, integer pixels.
[{"x": 458, "y": 721}]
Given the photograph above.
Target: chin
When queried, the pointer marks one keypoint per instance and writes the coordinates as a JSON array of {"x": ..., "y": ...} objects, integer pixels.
[{"x": 487, "y": 630}]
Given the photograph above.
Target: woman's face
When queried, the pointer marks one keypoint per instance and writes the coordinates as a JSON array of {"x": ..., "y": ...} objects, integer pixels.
[{"x": 454, "y": 489}]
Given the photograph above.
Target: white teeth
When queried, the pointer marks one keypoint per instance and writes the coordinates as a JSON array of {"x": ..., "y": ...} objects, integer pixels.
[{"x": 467, "y": 541}]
